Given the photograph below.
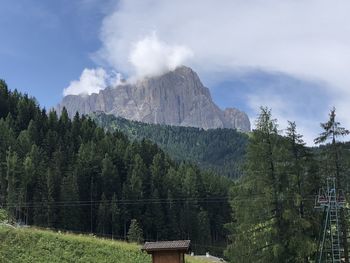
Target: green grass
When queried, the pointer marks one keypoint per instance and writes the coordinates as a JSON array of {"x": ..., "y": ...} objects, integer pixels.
[{"x": 33, "y": 245}]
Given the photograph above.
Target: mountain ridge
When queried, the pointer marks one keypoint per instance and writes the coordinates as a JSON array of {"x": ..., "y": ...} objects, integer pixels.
[{"x": 177, "y": 98}]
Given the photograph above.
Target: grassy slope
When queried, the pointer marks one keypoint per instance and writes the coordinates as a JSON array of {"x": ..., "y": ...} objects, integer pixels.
[{"x": 33, "y": 245}]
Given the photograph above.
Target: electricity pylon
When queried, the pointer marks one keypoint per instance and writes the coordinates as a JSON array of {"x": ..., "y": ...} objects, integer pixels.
[{"x": 331, "y": 200}]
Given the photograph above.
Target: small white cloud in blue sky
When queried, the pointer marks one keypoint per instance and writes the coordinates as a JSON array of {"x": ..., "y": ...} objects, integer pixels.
[{"x": 92, "y": 81}]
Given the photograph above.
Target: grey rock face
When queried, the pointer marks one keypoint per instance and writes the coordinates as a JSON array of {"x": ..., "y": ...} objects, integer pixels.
[{"x": 175, "y": 98}]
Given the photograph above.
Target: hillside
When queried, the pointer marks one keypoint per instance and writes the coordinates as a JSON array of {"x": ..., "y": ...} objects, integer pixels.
[
  {"x": 219, "y": 150},
  {"x": 33, "y": 245}
]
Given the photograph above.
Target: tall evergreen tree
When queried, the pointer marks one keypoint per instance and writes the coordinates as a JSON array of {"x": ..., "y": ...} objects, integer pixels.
[
  {"x": 110, "y": 177},
  {"x": 70, "y": 212},
  {"x": 12, "y": 177},
  {"x": 115, "y": 216},
  {"x": 51, "y": 212},
  {"x": 332, "y": 131},
  {"x": 103, "y": 216},
  {"x": 260, "y": 201},
  {"x": 135, "y": 233},
  {"x": 303, "y": 182}
]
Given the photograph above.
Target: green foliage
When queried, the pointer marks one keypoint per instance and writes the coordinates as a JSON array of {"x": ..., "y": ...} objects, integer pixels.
[
  {"x": 334, "y": 166},
  {"x": 135, "y": 233},
  {"x": 43, "y": 246},
  {"x": 33, "y": 245},
  {"x": 3, "y": 216},
  {"x": 71, "y": 174},
  {"x": 274, "y": 221},
  {"x": 219, "y": 150}
]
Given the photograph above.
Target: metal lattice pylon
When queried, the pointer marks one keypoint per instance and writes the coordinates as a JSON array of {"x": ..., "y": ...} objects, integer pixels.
[{"x": 331, "y": 201}]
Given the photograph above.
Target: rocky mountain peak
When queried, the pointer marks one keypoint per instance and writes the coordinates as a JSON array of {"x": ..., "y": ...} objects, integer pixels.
[{"x": 177, "y": 98}]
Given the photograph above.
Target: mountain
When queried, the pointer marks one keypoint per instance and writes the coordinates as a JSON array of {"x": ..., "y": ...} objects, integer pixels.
[
  {"x": 219, "y": 150},
  {"x": 175, "y": 98}
]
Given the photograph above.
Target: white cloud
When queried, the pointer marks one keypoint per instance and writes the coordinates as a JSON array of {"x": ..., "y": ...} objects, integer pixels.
[
  {"x": 151, "y": 57},
  {"x": 308, "y": 39},
  {"x": 91, "y": 81}
]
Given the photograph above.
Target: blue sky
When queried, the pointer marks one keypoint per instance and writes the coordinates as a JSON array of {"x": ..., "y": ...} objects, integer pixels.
[
  {"x": 292, "y": 56},
  {"x": 46, "y": 44}
]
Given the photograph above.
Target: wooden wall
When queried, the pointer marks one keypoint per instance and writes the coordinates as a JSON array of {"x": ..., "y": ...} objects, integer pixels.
[{"x": 168, "y": 257}]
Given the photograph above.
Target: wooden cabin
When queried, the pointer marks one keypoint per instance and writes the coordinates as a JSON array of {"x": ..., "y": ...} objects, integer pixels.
[{"x": 167, "y": 251}]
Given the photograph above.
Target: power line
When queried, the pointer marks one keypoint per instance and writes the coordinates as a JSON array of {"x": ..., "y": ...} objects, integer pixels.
[{"x": 141, "y": 201}]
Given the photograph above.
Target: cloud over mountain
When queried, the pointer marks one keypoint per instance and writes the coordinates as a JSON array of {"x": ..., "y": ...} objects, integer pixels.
[
  {"x": 308, "y": 40},
  {"x": 150, "y": 56},
  {"x": 92, "y": 81}
]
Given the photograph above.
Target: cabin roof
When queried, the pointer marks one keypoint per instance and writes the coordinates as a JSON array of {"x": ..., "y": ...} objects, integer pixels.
[{"x": 182, "y": 245}]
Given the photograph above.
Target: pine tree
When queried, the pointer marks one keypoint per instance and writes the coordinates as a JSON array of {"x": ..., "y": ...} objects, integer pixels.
[
  {"x": 51, "y": 215},
  {"x": 40, "y": 184},
  {"x": 204, "y": 236},
  {"x": 110, "y": 177},
  {"x": 302, "y": 182},
  {"x": 27, "y": 179},
  {"x": 4, "y": 99},
  {"x": 6, "y": 140},
  {"x": 159, "y": 227},
  {"x": 135, "y": 185},
  {"x": 12, "y": 177},
  {"x": 135, "y": 233},
  {"x": 70, "y": 212},
  {"x": 115, "y": 216},
  {"x": 103, "y": 216},
  {"x": 332, "y": 131},
  {"x": 158, "y": 171},
  {"x": 258, "y": 201}
]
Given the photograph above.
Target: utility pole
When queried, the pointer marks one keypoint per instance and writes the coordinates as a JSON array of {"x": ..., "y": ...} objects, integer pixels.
[{"x": 330, "y": 200}]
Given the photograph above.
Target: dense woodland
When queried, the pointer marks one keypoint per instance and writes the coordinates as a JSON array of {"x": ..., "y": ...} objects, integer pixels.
[
  {"x": 274, "y": 219},
  {"x": 219, "y": 150},
  {"x": 71, "y": 174}
]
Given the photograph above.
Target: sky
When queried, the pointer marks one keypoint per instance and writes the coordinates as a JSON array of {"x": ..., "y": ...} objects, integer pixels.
[{"x": 290, "y": 55}]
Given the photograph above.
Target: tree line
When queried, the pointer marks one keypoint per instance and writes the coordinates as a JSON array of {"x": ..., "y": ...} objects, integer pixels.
[
  {"x": 274, "y": 219},
  {"x": 71, "y": 174},
  {"x": 219, "y": 150}
]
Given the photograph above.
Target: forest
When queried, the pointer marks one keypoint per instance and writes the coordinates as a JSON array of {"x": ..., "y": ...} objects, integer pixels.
[
  {"x": 274, "y": 217},
  {"x": 71, "y": 174},
  {"x": 219, "y": 150}
]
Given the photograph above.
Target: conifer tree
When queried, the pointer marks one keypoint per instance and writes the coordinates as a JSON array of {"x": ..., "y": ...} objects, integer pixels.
[
  {"x": 332, "y": 131},
  {"x": 115, "y": 216},
  {"x": 258, "y": 201},
  {"x": 51, "y": 215},
  {"x": 135, "y": 233},
  {"x": 303, "y": 182},
  {"x": 110, "y": 177},
  {"x": 135, "y": 185},
  {"x": 12, "y": 177},
  {"x": 70, "y": 212},
  {"x": 103, "y": 217},
  {"x": 204, "y": 236}
]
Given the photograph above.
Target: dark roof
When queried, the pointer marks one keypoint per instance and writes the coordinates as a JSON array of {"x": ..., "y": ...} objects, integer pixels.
[{"x": 183, "y": 245}]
